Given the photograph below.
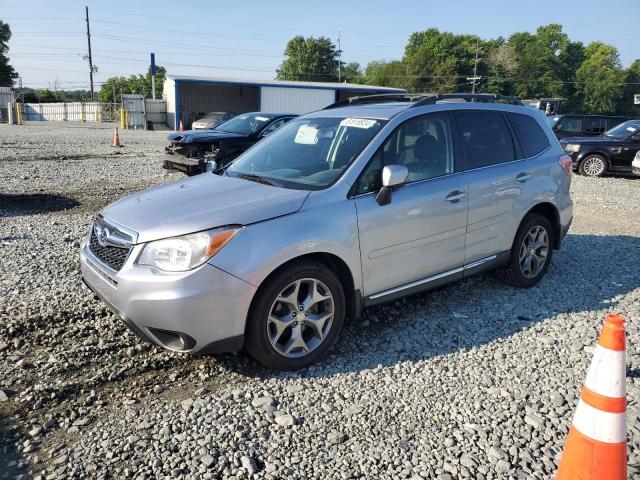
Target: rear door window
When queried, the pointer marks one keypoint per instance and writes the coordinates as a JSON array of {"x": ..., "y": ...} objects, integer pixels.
[
  {"x": 570, "y": 125},
  {"x": 531, "y": 137},
  {"x": 485, "y": 138},
  {"x": 594, "y": 126}
]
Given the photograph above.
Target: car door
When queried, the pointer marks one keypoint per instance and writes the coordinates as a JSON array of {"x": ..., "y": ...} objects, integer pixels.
[
  {"x": 421, "y": 232},
  {"x": 496, "y": 177},
  {"x": 622, "y": 157}
]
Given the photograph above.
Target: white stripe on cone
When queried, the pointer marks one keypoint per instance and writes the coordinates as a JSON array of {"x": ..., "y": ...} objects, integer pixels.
[
  {"x": 607, "y": 373},
  {"x": 598, "y": 425}
]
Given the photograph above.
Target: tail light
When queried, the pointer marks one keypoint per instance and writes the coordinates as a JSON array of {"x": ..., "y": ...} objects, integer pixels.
[{"x": 566, "y": 163}]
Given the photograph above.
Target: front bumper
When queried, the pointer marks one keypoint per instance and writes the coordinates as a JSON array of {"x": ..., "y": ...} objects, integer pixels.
[
  {"x": 635, "y": 166},
  {"x": 190, "y": 166},
  {"x": 202, "y": 310}
]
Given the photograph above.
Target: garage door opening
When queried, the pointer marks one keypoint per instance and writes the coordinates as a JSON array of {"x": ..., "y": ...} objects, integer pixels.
[{"x": 197, "y": 99}]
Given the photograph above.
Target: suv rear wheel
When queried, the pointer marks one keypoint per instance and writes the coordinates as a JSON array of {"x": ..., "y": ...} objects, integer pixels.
[
  {"x": 296, "y": 317},
  {"x": 531, "y": 252},
  {"x": 593, "y": 166}
]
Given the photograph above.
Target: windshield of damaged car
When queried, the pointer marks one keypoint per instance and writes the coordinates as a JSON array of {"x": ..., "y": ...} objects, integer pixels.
[
  {"x": 246, "y": 123},
  {"x": 307, "y": 153},
  {"x": 623, "y": 130}
]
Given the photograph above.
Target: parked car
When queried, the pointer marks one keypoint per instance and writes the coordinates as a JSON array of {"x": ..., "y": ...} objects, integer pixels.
[
  {"x": 612, "y": 152},
  {"x": 635, "y": 165},
  {"x": 565, "y": 126},
  {"x": 196, "y": 151},
  {"x": 212, "y": 120},
  {"x": 340, "y": 209}
]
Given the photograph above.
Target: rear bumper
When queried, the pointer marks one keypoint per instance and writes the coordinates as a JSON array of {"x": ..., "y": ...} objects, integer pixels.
[
  {"x": 635, "y": 166},
  {"x": 203, "y": 310}
]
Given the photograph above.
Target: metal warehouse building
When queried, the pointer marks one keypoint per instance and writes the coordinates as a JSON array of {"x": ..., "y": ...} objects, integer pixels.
[{"x": 188, "y": 98}]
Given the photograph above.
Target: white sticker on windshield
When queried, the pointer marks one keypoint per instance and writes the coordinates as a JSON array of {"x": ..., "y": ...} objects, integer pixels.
[
  {"x": 306, "y": 135},
  {"x": 262, "y": 119},
  {"x": 358, "y": 122},
  {"x": 631, "y": 129}
]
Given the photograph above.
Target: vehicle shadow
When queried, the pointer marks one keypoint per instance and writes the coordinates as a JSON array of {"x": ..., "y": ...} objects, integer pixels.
[
  {"x": 10, "y": 458},
  {"x": 15, "y": 205},
  {"x": 481, "y": 309}
]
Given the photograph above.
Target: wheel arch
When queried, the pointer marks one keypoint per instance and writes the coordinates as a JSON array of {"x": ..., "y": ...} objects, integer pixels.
[
  {"x": 337, "y": 265},
  {"x": 550, "y": 212}
]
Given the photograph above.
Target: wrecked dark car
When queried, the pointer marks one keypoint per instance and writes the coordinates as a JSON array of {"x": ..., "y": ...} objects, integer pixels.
[{"x": 198, "y": 151}]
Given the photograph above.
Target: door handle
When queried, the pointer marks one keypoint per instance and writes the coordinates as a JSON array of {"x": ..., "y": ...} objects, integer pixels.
[
  {"x": 455, "y": 196},
  {"x": 523, "y": 177}
]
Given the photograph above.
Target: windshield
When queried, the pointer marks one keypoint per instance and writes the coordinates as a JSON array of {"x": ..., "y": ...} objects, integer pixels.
[
  {"x": 307, "y": 153},
  {"x": 623, "y": 130},
  {"x": 246, "y": 124}
]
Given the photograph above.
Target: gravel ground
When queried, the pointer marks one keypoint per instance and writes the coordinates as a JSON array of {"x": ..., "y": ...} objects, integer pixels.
[{"x": 474, "y": 380}]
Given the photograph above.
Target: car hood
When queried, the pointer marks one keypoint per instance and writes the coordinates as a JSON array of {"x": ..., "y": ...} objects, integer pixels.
[
  {"x": 200, "y": 203},
  {"x": 195, "y": 136},
  {"x": 589, "y": 140}
]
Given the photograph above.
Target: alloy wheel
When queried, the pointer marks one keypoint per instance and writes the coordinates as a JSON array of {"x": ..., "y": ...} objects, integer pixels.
[
  {"x": 534, "y": 251},
  {"x": 593, "y": 166},
  {"x": 300, "y": 317}
]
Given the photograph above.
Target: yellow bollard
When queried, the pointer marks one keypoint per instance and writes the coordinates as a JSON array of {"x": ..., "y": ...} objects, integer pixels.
[
  {"x": 122, "y": 117},
  {"x": 19, "y": 113}
]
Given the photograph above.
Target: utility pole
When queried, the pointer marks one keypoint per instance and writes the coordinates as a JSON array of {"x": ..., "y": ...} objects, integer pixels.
[
  {"x": 475, "y": 77},
  {"x": 339, "y": 54},
  {"x": 89, "y": 56}
]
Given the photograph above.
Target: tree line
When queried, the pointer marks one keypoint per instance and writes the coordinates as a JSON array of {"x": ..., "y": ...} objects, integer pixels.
[{"x": 547, "y": 63}]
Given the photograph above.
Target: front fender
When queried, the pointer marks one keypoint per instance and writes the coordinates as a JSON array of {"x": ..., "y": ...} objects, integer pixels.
[{"x": 317, "y": 228}]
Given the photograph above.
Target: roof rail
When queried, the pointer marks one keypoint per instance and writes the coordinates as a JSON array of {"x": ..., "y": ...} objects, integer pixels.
[
  {"x": 420, "y": 99},
  {"x": 468, "y": 97},
  {"x": 379, "y": 98}
]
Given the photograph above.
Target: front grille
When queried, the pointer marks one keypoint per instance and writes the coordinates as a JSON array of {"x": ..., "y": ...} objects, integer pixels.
[{"x": 112, "y": 256}]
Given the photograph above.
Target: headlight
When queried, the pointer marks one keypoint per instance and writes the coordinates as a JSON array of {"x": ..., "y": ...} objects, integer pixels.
[
  {"x": 571, "y": 147},
  {"x": 179, "y": 254}
]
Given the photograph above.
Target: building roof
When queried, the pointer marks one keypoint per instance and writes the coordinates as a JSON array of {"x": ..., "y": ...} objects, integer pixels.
[{"x": 283, "y": 83}]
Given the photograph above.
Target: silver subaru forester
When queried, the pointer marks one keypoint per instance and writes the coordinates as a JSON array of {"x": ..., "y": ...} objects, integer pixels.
[{"x": 357, "y": 204}]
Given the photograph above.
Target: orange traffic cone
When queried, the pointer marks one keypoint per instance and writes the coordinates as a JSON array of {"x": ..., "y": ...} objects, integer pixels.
[
  {"x": 596, "y": 447},
  {"x": 181, "y": 128},
  {"x": 116, "y": 138}
]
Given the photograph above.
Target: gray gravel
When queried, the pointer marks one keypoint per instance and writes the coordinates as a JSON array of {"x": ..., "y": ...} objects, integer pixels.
[{"x": 474, "y": 380}]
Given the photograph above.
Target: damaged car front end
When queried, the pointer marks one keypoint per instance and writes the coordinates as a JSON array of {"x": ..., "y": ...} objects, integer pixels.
[{"x": 197, "y": 151}]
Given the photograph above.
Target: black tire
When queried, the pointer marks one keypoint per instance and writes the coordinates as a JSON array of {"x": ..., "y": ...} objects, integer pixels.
[
  {"x": 512, "y": 273},
  {"x": 589, "y": 166},
  {"x": 257, "y": 342}
]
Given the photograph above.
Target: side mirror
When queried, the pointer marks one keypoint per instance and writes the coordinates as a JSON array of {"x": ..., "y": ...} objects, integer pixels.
[{"x": 392, "y": 176}]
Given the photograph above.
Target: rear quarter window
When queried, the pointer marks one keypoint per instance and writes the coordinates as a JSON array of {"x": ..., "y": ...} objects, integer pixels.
[{"x": 532, "y": 138}]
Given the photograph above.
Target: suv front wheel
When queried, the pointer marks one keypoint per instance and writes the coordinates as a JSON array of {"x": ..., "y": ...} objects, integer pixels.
[
  {"x": 296, "y": 317},
  {"x": 531, "y": 252}
]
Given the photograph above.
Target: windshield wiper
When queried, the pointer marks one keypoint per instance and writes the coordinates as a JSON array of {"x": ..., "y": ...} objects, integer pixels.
[{"x": 258, "y": 179}]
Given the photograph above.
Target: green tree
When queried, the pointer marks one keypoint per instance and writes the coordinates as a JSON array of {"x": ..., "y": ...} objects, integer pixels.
[
  {"x": 352, "y": 73},
  {"x": 502, "y": 65},
  {"x": 632, "y": 87},
  {"x": 600, "y": 78},
  {"x": 387, "y": 74},
  {"x": 132, "y": 84},
  {"x": 441, "y": 61},
  {"x": 7, "y": 73},
  {"x": 309, "y": 59}
]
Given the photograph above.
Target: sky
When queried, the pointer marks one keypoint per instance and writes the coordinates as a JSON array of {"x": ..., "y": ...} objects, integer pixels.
[{"x": 246, "y": 39}]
